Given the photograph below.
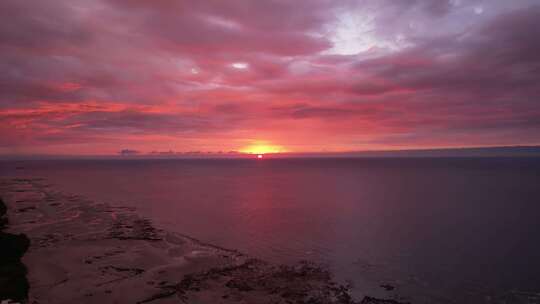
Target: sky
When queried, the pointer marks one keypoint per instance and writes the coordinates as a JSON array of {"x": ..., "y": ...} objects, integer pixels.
[{"x": 105, "y": 76}]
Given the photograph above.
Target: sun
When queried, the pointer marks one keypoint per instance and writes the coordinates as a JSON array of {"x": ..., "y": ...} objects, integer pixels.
[{"x": 259, "y": 156}]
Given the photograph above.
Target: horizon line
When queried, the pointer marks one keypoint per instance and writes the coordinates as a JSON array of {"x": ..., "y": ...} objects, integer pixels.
[{"x": 507, "y": 150}]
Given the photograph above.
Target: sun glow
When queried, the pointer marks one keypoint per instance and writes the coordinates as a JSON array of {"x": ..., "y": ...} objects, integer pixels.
[{"x": 262, "y": 148}]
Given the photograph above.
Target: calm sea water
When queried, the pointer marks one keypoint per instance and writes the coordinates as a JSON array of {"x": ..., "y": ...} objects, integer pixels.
[{"x": 440, "y": 230}]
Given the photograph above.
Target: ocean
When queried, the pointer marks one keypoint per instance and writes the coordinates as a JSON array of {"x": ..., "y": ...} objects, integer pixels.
[{"x": 438, "y": 230}]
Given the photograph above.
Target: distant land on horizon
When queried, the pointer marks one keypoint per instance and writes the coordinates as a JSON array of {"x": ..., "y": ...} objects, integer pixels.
[{"x": 499, "y": 151}]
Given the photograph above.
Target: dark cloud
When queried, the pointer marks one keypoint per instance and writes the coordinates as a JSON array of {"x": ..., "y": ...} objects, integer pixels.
[
  {"x": 44, "y": 26},
  {"x": 127, "y": 152},
  {"x": 494, "y": 63}
]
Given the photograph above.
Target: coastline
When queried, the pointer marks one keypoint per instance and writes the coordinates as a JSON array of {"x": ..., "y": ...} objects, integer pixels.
[{"x": 84, "y": 251}]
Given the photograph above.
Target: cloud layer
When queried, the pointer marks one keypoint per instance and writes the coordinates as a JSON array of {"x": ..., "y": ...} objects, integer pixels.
[{"x": 307, "y": 75}]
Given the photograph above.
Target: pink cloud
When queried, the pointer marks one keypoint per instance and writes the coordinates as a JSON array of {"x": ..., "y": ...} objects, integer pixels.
[{"x": 195, "y": 75}]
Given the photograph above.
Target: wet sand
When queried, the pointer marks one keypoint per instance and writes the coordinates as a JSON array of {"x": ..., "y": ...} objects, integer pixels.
[{"x": 87, "y": 252}]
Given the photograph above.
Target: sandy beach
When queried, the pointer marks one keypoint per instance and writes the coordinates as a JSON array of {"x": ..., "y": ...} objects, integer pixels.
[{"x": 87, "y": 252}]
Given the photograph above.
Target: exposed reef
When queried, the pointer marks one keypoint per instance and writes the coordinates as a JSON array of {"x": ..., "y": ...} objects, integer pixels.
[{"x": 88, "y": 252}]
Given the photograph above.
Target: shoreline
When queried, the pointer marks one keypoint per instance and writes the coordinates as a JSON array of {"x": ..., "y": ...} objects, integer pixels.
[{"x": 83, "y": 251}]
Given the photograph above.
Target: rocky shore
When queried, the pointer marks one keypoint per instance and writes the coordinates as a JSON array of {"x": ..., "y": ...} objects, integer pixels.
[
  {"x": 80, "y": 251},
  {"x": 13, "y": 282}
]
